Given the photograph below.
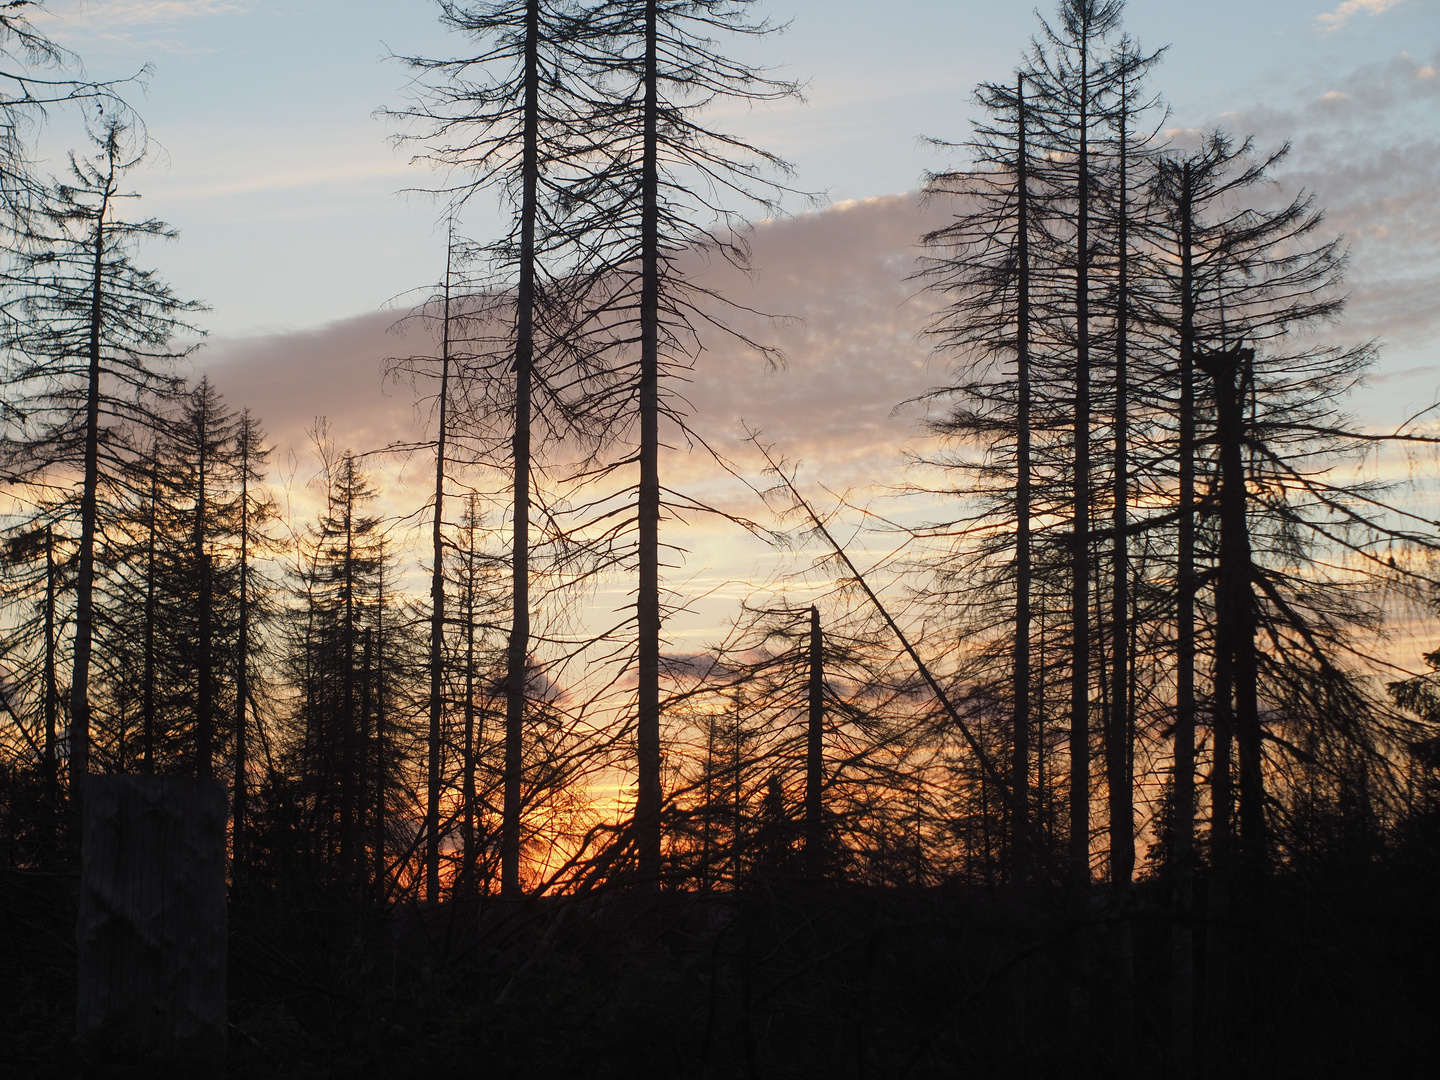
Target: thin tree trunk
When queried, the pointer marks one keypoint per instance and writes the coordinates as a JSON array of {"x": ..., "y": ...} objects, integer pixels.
[
  {"x": 1119, "y": 779},
  {"x": 737, "y": 797},
  {"x": 520, "y": 449},
  {"x": 1079, "y": 555},
  {"x": 148, "y": 692},
  {"x": 437, "y": 608},
  {"x": 1020, "y": 747},
  {"x": 52, "y": 696},
  {"x": 708, "y": 827},
  {"x": 239, "y": 861},
  {"x": 468, "y": 787},
  {"x": 363, "y": 800},
  {"x": 382, "y": 778},
  {"x": 1183, "y": 781},
  {"x": 647, "y": 611},
  {"x": 1217, "y": 894},
  {"x": 204, "y": 711},
  {"x": 814, "y": 752},
  {"x": 1080, "y": 568},
  {"x": 85, "y": 579},
  {"x": 347, "y": 693},
  {"x": 1043, "y": 768}
]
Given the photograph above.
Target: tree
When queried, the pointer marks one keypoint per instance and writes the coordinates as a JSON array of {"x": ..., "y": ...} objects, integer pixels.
[
  {"x": 437, "y": 597},
  {"x": 87, "y": 365},
  {"x": 517, "y": 117},
  {"x": 1291, "y": 553},
  {"x": 340, "y": 762},
  {"x": 35, "y": 561},
  {"x": 1113, "y": 311},
  {"x": 476, "y": 577},
  {"x": 36, "y": 76},
  {"x": 206, "y": 441},
  {"x": 666, "y": 178},
  {"x": 256, "y": 511}
]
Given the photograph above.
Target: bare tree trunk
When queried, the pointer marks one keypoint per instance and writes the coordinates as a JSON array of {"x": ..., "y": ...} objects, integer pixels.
[
  {"x": 382, "y": 778},
  {"x": 347, "y": 704},
  {"x": 1236, "y": 614},
  {"x": 1079, "y": 556},
  {"x": 364, "y": 801},
  {"x": 1118, "y": 749},
  {"x": 204, "y": 710},
  {"x": 1080, "y": 566},
  {"x": 1182, "y": 840},
  {"x": 85, "y": 580},
  {"x": 1217, "y": 895},
  {"x": 148, "y": 692},
  {"x": 52, "y": 696},
  {"x": 238, "y": 859},
  {"x": 814, "y": 753},
  {"x": 520, "y": 449},
  {"x": 467, "y": 835},
  {"x": 1020, "y": 746},
  {"x": 708, "y": 827},
  {"x": 437, "y": 608},
  {"x": 737, "y": 805},
  {"x": 647, "y": 611},
  {"x": 1236, "y": 673}
]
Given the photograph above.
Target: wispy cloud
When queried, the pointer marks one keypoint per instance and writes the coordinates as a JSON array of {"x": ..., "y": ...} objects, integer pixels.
[
  {"x": 1365, "y": 141},
  {"x": 1334, "y": 20},
  {"x": 149, "y": 25},
  {"x": 118, "y": 14},
  {"x": 216, "y": 184}
]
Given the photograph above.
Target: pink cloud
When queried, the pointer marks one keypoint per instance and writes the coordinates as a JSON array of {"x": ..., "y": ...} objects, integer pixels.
[{"x": 1335, "y": 20}]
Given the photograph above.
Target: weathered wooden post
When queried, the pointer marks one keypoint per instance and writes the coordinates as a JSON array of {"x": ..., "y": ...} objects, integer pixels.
[{"x": 151, "y": 933}]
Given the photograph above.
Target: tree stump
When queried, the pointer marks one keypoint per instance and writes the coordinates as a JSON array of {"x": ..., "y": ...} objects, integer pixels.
[{"x": 151, "y": 932}]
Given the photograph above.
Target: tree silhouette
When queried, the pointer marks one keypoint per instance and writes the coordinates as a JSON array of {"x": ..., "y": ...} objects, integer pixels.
[
  {"x": 87, "y": 364},
  {"x": 665, "y": 176}
]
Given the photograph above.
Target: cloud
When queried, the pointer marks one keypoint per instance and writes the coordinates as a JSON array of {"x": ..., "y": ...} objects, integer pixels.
[
  {"x": 117, "y": 14},
  {"x": 853, "y": 352},
  {"x": 852, "y": 344},
  {"x": 276, "y": 178},
  {"x": 289, "y": 379},
  {"x": 854, "y": 349},
  {"x": 849, "y": 323},
  {"x": 133, "y": 24},
  {"x": 1333, "y": 21},
  {"x": 850, "y": 319},
  {"x": 1368, "y": 147}
]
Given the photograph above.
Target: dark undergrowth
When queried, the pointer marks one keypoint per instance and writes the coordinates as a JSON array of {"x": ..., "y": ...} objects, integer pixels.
[{"x": 1325, "y": 975}]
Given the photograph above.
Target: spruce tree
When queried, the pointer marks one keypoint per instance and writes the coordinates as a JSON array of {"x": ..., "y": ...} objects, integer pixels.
[
  {"x": 671, "y": 185},
  {"x": 89, "y": 365}
]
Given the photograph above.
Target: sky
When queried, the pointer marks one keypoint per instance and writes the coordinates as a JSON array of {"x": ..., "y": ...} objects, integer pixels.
[
  {"x": 278, "y": 167},
  {"x": 282, "y": 179}
]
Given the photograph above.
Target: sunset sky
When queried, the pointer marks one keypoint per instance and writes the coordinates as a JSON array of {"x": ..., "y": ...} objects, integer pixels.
[{"x": 285, "y": 188}]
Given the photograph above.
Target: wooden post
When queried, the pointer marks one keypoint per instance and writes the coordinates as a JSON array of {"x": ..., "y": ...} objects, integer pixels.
[{"x": 151, "y": 933}]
